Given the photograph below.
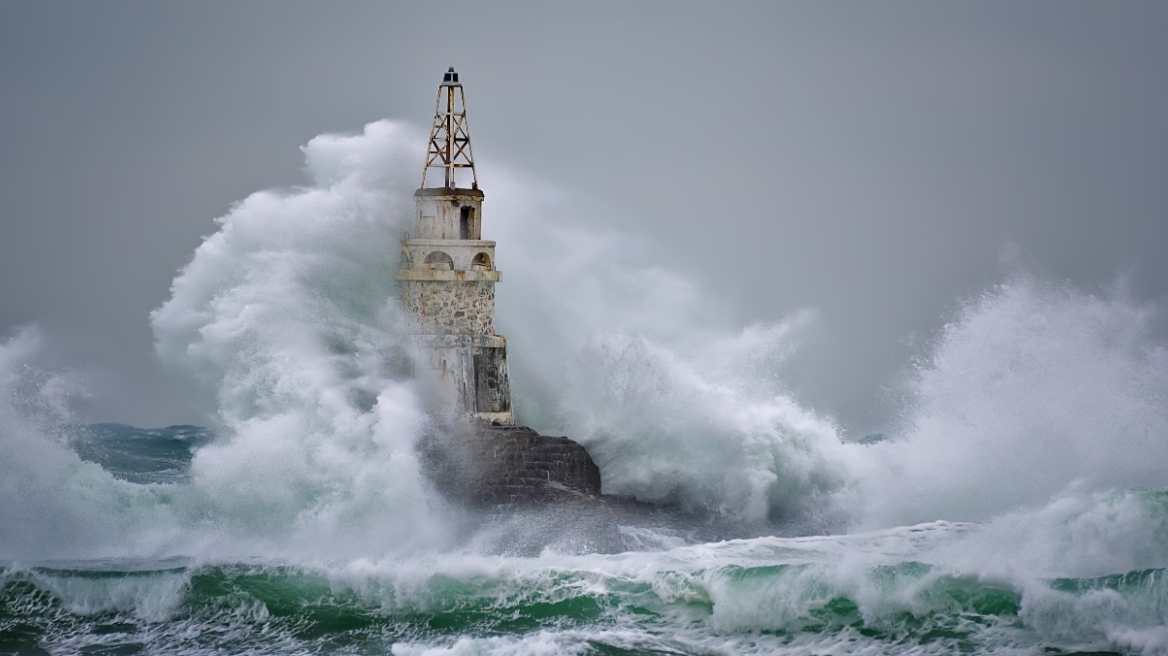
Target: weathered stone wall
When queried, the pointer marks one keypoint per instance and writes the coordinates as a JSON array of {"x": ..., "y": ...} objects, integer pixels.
[
  {"x": 509, "y": 465},
  {"x": 442, "y": 307}
]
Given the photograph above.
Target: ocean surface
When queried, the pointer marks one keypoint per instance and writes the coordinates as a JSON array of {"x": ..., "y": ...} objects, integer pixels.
[
  {"x": 922, "y": 589},
  {"x": 1016, "y": 502}
]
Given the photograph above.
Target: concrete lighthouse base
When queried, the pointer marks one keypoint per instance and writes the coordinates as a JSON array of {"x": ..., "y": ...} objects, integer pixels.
[{"x": 509, "y": 465}]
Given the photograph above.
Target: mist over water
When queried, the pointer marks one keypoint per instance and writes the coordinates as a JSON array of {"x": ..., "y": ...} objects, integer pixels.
[
  {"x": 674, "y": 405},
  {"x": 1035, "y": 390},
  {"x": 284, "y": 318},
  {"x": 283, "y": 321},
  {"x": 1030, "y": 450},
  {"x": 54, "y": 504}
]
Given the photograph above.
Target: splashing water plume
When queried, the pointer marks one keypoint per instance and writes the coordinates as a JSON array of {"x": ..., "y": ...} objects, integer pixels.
[
  {"x": 282, "y": 320},
  {"x": 1035, "y": 390},
  {"x": 307, "y": 525},
  {"x": 284, "y": 316}
]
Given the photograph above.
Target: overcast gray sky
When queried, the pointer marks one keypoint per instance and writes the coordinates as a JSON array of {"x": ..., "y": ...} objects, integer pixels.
[{"x": 869, "y": 160}]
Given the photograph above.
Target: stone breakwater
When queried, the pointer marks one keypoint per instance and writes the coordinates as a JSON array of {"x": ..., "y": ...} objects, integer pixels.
[{"x": 505, "y": 465}]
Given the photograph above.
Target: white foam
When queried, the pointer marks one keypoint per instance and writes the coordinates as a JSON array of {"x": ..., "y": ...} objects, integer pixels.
[
  {"x": 281, "y": 320},
  {"x": 1035, "y": 390},
  {"x": 284, "y": 319},
  {"x": 52, "y": 504}
]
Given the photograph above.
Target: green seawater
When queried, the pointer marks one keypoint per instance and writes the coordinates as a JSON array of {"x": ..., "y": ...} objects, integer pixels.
[{"x": 225, "y": 609}]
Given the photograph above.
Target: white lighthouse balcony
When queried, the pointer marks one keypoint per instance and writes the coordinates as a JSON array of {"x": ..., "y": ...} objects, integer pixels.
[
  {"x": 448, "y": 259},
  {"x": 449, "y": 276}
]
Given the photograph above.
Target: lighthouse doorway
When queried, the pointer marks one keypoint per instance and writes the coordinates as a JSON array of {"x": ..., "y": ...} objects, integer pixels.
[{"x": 466, "y": 224}]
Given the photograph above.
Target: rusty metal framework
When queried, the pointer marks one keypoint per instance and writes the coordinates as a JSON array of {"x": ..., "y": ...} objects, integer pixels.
[{"x": 449, "y": 137}]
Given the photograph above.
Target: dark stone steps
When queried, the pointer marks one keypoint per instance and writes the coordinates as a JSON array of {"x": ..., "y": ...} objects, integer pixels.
[{"x": 491, "y": 465}]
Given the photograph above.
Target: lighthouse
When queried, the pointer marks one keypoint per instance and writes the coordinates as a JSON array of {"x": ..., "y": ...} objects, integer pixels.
[{"x": 448, "y": 274}]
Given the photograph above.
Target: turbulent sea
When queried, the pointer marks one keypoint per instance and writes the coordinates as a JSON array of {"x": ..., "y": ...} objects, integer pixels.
[
  {"x": 903, "y": 590},
  {"x": 934, "y": 588},
  {"x": 1016, "y": 503}
]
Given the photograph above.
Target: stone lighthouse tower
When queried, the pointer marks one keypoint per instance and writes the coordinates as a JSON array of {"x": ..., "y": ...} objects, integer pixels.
[{"x": 448, "y": 275}]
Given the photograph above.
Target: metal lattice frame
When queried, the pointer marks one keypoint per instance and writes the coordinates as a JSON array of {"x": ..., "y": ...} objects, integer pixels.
[{"x": 449, "y": 137}]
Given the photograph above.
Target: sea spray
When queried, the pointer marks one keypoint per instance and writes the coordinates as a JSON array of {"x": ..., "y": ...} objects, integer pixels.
[
  {"x": 54, "y": 505},
  {"x": 675, "y": 403},
  {"x": 1033, "y": 390},
  {"x": 307, "y": 527},
  {"x": 284, "y": 319},
  {"x": 285, "y": 316}
]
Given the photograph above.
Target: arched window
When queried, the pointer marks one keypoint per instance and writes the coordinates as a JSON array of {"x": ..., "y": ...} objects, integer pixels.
[
  {"x": 481, "y": 262},
  {"x": 439, "y": 260}
]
